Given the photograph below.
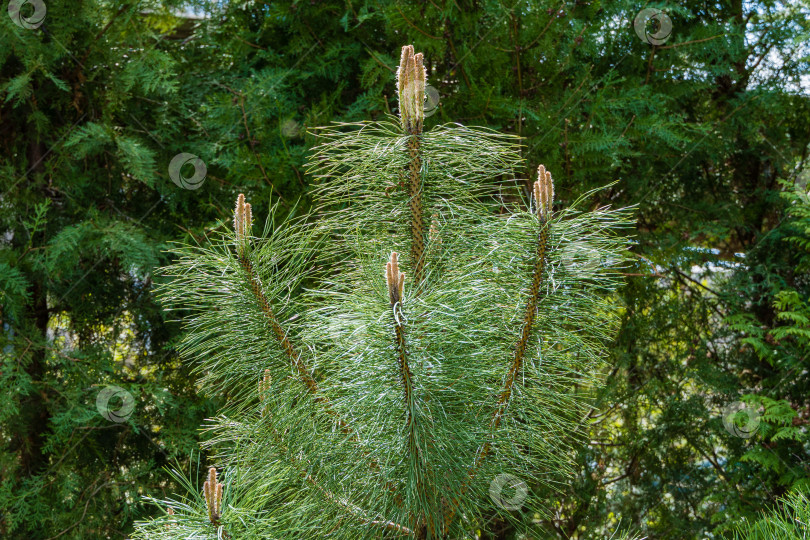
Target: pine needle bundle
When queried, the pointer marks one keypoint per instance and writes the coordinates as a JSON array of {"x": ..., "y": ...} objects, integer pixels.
[{"x": 413, "y": 358}]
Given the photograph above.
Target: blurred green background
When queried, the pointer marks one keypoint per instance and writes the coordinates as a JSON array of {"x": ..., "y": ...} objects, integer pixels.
[{"x": 706, "y": 128}]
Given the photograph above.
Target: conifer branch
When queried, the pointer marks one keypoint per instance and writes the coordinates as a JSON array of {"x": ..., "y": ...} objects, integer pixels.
[
  {"x": 411, "y": 77},
  {"x": 544, "y": 196},
  {"x": 242, "y": 223},
  {"x": 242, "y": 217},
  {"x": 543, "y": 191},
  {"x": 395, "y": 281}
]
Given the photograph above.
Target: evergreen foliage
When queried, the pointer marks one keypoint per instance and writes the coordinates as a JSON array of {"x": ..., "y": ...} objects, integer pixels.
[
  {"x": 85, "y": 215},
  {"x": 365, "y": 406},
  {"x": 705, "y": 133},
  {"x": 789, "y": 522}
]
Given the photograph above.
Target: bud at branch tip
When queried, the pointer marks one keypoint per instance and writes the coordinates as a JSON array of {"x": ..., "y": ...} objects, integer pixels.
[
  {"x": 394, "y": 278},
  {"x": 411, "y": 77},
  {"x": 242, "y": 220},
  {"x": 543, "y": 192},
  {"x": 213, "y": 496}
]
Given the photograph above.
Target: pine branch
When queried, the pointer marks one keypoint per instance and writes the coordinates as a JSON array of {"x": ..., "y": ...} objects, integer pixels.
[
  {"x": 411, "y": 78},
  {"x": 416, "y": 205},
  {"x": 242, "y": 221},
  {"x": 242, "y": 224},
  {"x": 541, "y": 189},
  {"x": 395, "y": 281},
  {"x": 544, "y": 197}
]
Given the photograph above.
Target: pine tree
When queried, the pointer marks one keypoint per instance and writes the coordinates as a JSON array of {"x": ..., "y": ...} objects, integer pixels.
[{"x": 408, "y": 360}]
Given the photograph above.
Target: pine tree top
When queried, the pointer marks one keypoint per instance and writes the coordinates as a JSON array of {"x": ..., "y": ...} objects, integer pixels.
[{"x": 363, "y": 404}]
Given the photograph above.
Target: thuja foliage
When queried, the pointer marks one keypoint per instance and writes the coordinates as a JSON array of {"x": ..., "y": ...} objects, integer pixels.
[
  {"x": 90, "y": 116},
  {"x": 411, "y": 359}
]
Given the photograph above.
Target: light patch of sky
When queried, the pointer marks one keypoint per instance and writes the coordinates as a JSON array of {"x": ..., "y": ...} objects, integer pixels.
[
  {"x": 191, "y": 12},
  {"x": 772, "y": 65}
]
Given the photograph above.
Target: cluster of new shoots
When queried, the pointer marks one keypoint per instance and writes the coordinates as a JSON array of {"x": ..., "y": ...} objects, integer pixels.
[
  {"x": 543, "y": 193},
  {"x": 394, "y": 279},
  {"x": 411, "y": 77},
  {"x": 213, "y": 496},
  {"x": 242, "y": 221}
]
